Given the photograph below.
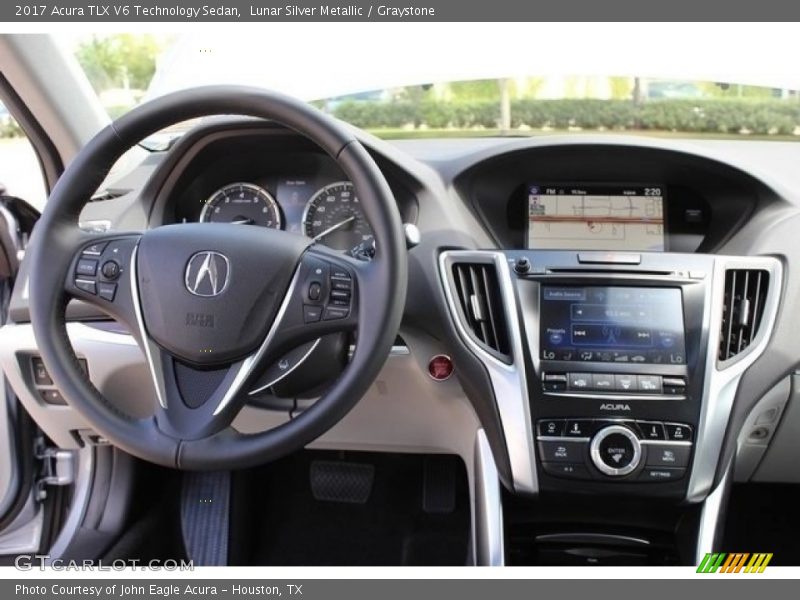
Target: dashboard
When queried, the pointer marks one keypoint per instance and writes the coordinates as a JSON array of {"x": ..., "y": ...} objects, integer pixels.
[{"x": 615, "y": 312}]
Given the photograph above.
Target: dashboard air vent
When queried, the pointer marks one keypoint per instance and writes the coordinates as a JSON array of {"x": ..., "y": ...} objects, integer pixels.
[
  {"x": 478, "y": 290},
  {"x": 745, "y": 295}
]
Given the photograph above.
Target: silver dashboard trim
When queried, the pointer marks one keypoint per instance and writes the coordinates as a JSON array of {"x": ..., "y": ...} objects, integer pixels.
[
  {"x": 508, "y": 380},
  {"x": 488, "y": 546},
  {"x": 722, "y": 379},
  {"x": 600, "y": 465},
  {"x": 710, "y": 515}
]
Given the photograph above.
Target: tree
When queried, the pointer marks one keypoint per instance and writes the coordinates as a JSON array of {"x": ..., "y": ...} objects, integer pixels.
[{"x": 119, "y": 61}]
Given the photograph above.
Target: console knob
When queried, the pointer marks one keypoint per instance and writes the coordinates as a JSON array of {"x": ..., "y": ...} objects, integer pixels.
[
  {"x": 523, "y": 265},
  {"x": 615, "y": 451}
]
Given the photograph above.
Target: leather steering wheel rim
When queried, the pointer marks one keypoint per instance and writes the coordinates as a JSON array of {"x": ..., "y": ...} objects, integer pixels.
[{"x": 57, "y": 238}]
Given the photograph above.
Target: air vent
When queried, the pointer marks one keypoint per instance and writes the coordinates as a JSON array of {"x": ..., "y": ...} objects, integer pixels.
[
  {"x": 745, "y": 294},
  {"x": 478, "y": 291}
]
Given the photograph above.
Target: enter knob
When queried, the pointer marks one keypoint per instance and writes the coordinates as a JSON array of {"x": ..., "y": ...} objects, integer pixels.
[{"x": 615, "y": 451}]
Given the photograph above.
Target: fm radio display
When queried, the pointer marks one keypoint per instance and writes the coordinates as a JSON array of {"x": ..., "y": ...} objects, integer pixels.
[{"x": 612, "y": 324}]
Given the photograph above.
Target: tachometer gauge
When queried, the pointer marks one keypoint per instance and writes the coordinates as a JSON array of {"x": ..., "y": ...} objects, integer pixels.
[
  {"x": 333, "y": 216},
  {"x": 244, "y": 204}
]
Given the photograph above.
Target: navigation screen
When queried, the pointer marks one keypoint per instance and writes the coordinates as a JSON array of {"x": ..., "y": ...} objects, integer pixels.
[
  {"x": 612, "y": 324},
  {"x": 595, "y": 217}
]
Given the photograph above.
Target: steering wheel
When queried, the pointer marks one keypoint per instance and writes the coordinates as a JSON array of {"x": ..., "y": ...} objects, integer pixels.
[{"x": 212, "y": 304}]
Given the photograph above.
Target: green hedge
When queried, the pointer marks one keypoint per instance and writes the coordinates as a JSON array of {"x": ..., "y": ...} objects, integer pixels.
[
  {"x": 701, "y": 116},
  {"x": 9, "y": 128}
]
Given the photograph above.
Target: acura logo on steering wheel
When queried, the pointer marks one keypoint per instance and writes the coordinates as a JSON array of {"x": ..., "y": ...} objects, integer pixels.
[{"x": 207, "y": 273}]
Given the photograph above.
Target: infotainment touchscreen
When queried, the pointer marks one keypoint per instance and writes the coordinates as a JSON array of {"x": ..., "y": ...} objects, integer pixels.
[
  {"x": 595, "y": 217},
  {"x": 612, "y": 324}
]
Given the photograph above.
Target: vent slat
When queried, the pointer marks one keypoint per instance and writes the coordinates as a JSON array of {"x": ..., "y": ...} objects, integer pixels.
[
  {"x": 478, "y": 289},
  {"x": 743, "y": 307}
]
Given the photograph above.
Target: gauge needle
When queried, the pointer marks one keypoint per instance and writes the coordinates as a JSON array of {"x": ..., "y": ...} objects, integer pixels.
[
  {"x": 242, "y": 222},
  {"x": 319, "y": 236}
]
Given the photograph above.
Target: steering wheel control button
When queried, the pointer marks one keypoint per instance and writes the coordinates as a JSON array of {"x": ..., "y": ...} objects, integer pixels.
[
  {"x": 551, "y": 427},
  {"x": 86, "y": 285},
  {"x": 340, "y": 296},
  {"x": 440, "y": 367},
  {"x": 566, "y": 470},
  {"x": 95, "y": 249},
  {"x": 52, "y": 397},
  {"x": 581, "y": 382},
  {"x": 334, "y": 312},
  {"x": 668, "y": 455},
  {"x": 341, "y": 284},
  {"x": 578, "y": 428},
  {"x": 615, "y": 451},
  {"x": 656, "y": 475},
  {"x": 311, "y": 314},
  {"x": 650, "y": 384},
  {"x": 652, "y": 431},
  {"x": 86, "y": 267},
  {"x": 314, "y": 291},
  {"x": 562, "y": 451},
  {"x": 678, "y": 432},
  {"x": 107, "y": 291},
  {"x": 337, "y": 273},
  {"x": 111, "y": 269},
  {"x": 40, "y": 374}
]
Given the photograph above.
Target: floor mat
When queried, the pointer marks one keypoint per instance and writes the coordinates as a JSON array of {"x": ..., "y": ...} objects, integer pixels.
[
  {"x": 276, "y": 519},
  {"x": 764, "y": 518}
]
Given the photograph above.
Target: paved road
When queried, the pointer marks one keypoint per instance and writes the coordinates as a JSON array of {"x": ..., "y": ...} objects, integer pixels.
[{"x": 19, "y": 171}]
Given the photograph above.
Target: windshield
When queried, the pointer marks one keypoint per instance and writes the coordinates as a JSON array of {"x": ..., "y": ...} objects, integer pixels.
[{"x": 399, "y": 100}]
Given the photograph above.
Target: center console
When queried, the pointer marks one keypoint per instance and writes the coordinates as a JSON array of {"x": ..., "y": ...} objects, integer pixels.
[{"x": 614, "y": 373}]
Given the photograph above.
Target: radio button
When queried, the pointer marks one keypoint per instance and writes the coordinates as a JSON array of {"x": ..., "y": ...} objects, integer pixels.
[
  {"x": 650, "y": 384},
  {"x": 655, "y": 474},
  {"x": 567, "y": 470},
  {"x": 651, "y": 430},
  {"x": 668, "y": 455},
  {"x": 578, "y": 428},
  {"x": 678, "y": 432},
  {"x": 603, "y": 382},
  {"x": 625, "y": 383},
  {"x": 579, "y": 381},
  {"x": 566, "y": 451},
  {"x": 551, "y": 427}
]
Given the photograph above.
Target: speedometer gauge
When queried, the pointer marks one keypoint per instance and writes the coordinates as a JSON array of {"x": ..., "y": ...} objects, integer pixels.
[
  {"x": 333, "y": 216},
  {"x": 243, "y": 204}
]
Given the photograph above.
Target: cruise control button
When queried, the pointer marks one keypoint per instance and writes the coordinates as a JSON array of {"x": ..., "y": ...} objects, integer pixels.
[
  {"x": 334, "y": 312},
  {"x": 578, "y": 428},
  {"x": 579, "y": 381},
  {"x": 107, "y": 291},
  {"x": 651, "y": 430},
  {"x": 86, "y": 286},
  {"x": 668, "y": 455},
  {"x": 551, "y": 427},
  {"x": 678, "y": 432},
  {"x": 625, "y": 383},
  {"x": 603, "y": 382},
  {"x": 662, "y": 474},
  {"x": 649, "y": 383},
  {"x": 562, "y": 451},
  {"x": 311, "y": 314},
  {"x": 566, "y": 470},
  {"x": 86, "y": 267}
]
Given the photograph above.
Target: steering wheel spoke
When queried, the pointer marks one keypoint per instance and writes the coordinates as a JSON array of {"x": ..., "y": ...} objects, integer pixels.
[{"x": 100, "y": 274}]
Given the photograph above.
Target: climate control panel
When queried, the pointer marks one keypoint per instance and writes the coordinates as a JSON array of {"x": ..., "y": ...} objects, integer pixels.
[{"x": 614, "y": 449}]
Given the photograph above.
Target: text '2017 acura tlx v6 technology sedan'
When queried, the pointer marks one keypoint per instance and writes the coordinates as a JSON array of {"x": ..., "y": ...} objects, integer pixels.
[{"x": 244, "y": 329}]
